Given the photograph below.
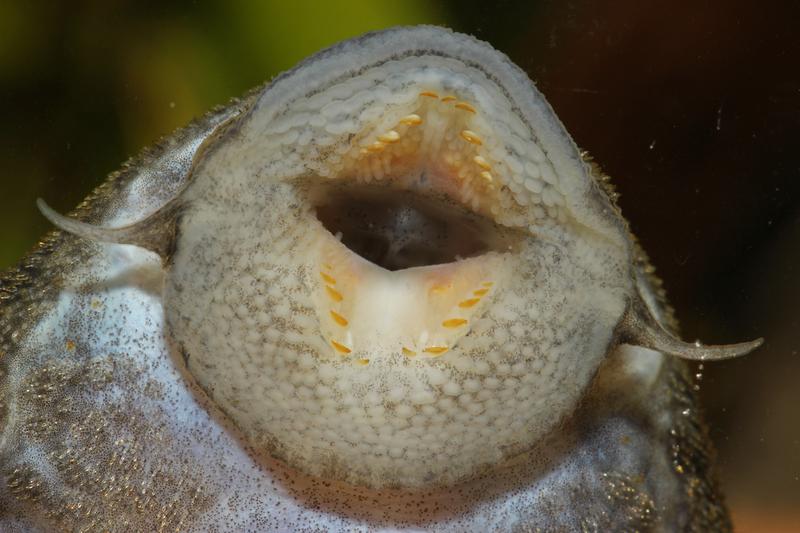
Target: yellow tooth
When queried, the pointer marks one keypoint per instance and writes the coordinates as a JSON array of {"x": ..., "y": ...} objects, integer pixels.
[
  {"x": 363, "y": 361},
  {"x": 377, "y": 146},
  {"x": 481, "y": 162},
  {"x": 335, "y": 295},
  {"x": 411, "y": 120},
  {"x": 480, "y": 292},
  {"x": 465, "y": 106},
  {"x": 389, "y": 137},
  {"x": 487, "y": 176},
  {"x": 471, "y": 137},
  {"x": 409, "y": 353},
  {"x": 429, "y": 94},
  {"x": 328, "y": 278},
  {"x": 440, "y": 289},
  {"x": 435, "y": 350},
  {"x": 454, "y": 322},
  {"x": 487, "y": 283},
  {"x": 341, "y": 348},
  {"x": 339, "y": 319},
  {"x": 448, "y": 98},
  {"x": 469, "y": 303}
]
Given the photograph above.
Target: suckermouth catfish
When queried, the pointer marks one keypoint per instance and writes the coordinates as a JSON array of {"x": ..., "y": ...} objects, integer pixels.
[{"x": 385, "y": 291}]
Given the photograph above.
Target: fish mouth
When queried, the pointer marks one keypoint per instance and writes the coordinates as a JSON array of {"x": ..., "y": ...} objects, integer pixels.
[
  {"x": 423, "y": 192},
  {"x": 386, "y": 276},
  {"x": 418, "y": 233}
]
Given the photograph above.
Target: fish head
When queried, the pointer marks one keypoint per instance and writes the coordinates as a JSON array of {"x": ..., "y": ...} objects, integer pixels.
[{"x": 396, "y": 269}]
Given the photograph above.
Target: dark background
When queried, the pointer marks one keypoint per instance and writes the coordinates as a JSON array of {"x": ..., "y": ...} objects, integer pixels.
[{"x": 692, "y": 107}]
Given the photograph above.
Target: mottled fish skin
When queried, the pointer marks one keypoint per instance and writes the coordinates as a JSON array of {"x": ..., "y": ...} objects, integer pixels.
[{"x": 103, "y": 427}]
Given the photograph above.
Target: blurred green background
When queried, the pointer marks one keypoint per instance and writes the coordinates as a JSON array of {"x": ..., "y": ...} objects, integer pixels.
[{"x": 692, "y": 107}]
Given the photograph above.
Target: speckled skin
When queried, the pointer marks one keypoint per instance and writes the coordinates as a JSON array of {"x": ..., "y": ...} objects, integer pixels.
[{"x": 104, "y": 428}]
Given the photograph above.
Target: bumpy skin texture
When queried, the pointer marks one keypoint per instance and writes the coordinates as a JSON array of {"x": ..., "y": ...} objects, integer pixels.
[
  {"x": 103, "y": 427},
  {"x": 385, "y": 398}
]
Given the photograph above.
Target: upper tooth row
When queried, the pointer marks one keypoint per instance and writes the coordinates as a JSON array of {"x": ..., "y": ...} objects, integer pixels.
[{"x": 524, "y": 168}]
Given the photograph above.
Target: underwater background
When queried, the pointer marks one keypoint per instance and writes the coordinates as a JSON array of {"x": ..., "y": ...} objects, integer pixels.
[{"x": 693, "y": 108}]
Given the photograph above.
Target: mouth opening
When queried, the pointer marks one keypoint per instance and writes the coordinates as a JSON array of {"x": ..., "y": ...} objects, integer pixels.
[{"x": 401, "y": 229}]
